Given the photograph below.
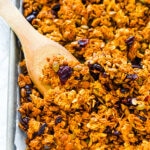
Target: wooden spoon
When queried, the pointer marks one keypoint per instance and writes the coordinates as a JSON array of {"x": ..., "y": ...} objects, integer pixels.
[{"x": 36, "y": 47}]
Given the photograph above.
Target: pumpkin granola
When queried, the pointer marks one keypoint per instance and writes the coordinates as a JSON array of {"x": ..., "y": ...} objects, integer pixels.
[{"x": 102, "y": 103}]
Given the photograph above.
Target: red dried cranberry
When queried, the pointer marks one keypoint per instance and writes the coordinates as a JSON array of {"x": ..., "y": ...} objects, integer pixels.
[
  {"x": 147, "y": 98},
  {"x": 64, "y": 73}
]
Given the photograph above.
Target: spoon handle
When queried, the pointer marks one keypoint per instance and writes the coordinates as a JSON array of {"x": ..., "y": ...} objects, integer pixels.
[{"x": 17, "y": 22}]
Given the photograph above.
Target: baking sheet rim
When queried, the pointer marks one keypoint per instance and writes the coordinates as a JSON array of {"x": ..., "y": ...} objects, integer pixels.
[
  {"x": 12, "y": 95},
  {"x": 13, "y": 89}
]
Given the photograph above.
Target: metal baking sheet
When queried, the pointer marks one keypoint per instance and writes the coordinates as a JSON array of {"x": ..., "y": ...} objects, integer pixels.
[
  {"x": 12, "y": 94},
  {"x": 13, "y": 89}
]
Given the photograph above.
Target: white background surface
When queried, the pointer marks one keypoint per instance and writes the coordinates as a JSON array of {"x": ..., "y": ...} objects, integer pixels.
[{"x": 4, "y": 63}]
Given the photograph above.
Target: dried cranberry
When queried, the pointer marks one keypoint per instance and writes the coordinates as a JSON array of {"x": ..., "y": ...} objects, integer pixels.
[
  {"x": 58, "y": 120},
  {"x": 83, "y": 42},
  {"x": 41, "y": 130},
  {"x": 24, "y": 121},
  {"x": 130, "y": 41},
  {"x": 127, "y": 101},
  {"x": 28, "y": 92},
  {"x": 96, "y": 66},
  {"x": 116, "y": 133},
  {"x": 108, "y": 130},
  {"x": 132, "y": 76},
  {"x": 95, "y": 70},
  {"x": 35, "y": 13},
  {"x": 147, "y": 98},
  {"x": 136, "y": 63},
  {"x": 30, "y": 17},
  {"x": 56, "y": 7},
  {"x": 84, "y": 1},
  {"x": 28, "y": 86},
  {"x": 64, "y": 73}
]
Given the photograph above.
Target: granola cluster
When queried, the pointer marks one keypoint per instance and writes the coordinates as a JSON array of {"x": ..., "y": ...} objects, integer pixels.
[{"x": 103, "y": 102}]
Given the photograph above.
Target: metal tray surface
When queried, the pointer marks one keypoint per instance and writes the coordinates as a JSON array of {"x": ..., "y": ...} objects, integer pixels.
[{"x": 13, "y": 89}]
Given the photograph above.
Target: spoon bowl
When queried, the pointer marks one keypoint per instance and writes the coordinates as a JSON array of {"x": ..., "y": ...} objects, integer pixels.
[{"x": 36, "y": 47}]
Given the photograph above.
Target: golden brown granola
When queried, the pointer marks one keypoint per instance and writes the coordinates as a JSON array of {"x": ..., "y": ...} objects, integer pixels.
[{"x": 104, "y": 102}]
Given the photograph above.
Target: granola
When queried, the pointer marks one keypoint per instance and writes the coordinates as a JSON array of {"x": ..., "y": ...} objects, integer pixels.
[{"x": 104, "y": 101}]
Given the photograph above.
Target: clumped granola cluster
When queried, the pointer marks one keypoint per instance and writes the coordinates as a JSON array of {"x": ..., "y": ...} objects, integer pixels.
[{"x": 102, "y": 103}]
